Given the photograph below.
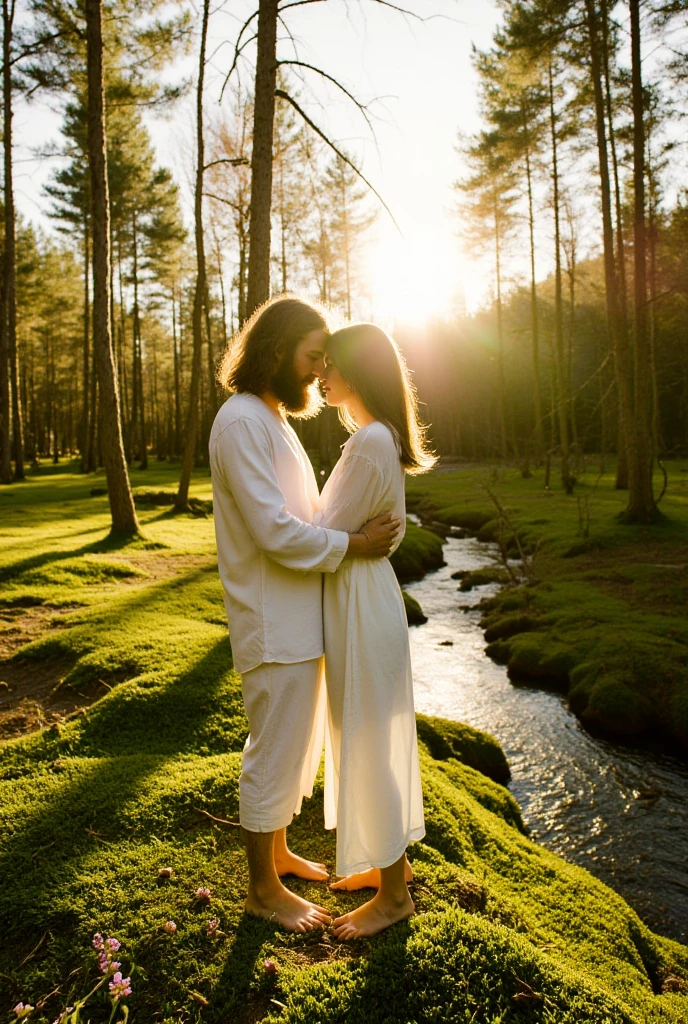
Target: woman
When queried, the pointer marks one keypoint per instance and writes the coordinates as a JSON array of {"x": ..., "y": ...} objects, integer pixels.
[{"x": 372, "y": 780}]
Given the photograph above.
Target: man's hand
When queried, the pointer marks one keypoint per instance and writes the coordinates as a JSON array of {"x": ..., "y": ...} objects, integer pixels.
[{"x": 375, "y": 538}]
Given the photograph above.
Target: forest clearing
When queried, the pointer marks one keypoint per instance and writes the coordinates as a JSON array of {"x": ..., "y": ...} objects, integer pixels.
[
  {"x": 98, "y": 802},
  {"x": 344, "y": 460}
]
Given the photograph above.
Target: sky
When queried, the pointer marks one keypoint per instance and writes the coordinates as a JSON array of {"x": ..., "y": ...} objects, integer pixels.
[{"x": 417, "y": 78}]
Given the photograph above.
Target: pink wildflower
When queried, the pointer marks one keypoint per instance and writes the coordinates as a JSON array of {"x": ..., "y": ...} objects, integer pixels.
[
  {"x": 212, "y": 926},
  {"x": 98, "y": 941},
  {"x": 65, "y": 1013},
  {"x": 170, "y": 927},
  {"x": 203, "y": 893},
  {"x": 119, "y": 986},
  {"x": 103, "y": 962},
  {"x": 112, "y": 944},
  {"x": 23, "y": 1010},
  {"x": 270, "y": 966}
]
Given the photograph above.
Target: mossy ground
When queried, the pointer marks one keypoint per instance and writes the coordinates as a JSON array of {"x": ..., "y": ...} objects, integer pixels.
[
  {"x": 603, "y": 616},
  {"x": 91, "y": 809}
]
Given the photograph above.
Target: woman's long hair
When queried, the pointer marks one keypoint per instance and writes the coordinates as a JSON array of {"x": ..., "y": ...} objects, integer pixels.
[
  {"x": 271, "y": 334},
  {"x": 370, "y": 362}
]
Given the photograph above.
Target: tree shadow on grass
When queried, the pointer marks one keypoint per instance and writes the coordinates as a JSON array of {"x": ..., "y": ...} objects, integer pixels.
[
  {"x": 104, "y": 545},
  {"x": 230, "y": 996},
  {"x": 62, "y": 828},
  {"x": 170, "y": 718}
]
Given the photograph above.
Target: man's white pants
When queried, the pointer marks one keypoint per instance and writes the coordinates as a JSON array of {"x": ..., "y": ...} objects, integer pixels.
[{"x": 285, "y": 707}]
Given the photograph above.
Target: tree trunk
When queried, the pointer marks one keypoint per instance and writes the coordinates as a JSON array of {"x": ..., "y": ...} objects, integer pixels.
[
  {"x": 83, "y": 430},
  {"x": 641, "y": 503},
  {"x": 177, "y": 447},
  {"x": 559, "y": 370},
  {"x": 537, "y": 395},
  {"x": 261, "y": 157},
  {"x": 192, "y": 421},
  {"x": 138, "y": 414},
  {"x": 622, "y": 461},
  {"x": 9, "y": 283},
  {"x": 500, "y": 333},
  {"x": 119, "y": 491},
  {"x": 618, "y": 336}
]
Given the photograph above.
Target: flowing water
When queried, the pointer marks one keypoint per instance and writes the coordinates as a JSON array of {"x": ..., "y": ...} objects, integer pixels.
[{"x": 620, "y": 812}]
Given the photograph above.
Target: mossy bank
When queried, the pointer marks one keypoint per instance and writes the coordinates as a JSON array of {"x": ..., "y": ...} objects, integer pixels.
[
  {"x": 601, "y": 615},
  {"x": 92, "y": 808}
]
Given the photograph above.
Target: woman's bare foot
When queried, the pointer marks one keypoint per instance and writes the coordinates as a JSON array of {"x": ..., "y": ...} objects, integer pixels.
[
  {"x": 373, "y": 917},
  {"x": 366, "y": 879},
  {"x": 287, "y": 909},
  {"x": 288, "y": 863}
]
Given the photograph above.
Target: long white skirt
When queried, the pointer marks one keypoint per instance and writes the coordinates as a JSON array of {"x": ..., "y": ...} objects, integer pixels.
[{"x": 373, "y": 794}]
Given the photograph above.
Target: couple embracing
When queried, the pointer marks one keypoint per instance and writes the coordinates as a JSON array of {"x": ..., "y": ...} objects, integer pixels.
[{"x": 306, "y": 575}]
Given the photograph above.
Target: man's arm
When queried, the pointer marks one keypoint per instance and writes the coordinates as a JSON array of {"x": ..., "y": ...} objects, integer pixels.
[{"x": 242, "y": 456}]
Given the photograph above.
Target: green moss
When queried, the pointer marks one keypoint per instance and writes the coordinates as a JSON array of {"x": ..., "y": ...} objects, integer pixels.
[
  {"x": 477, "y": 749},
  {"x": 414, "y": 612},
  {"x": 419, "y": 552},
  {"x": 89, "y": 812},
  {"x": 503, "y": 627},
  {"x": 614, "y": 705},
  {"x": 481, "y": 577}
]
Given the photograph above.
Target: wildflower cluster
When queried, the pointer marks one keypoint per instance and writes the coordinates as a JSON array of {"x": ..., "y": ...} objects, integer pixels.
[
  {"x": 106, "y": 948},
  {"x": 119, "y": 986},
  {"x": 203, "y": 894}
]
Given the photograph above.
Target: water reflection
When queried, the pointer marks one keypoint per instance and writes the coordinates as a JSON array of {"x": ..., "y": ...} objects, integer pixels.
[{"x": 621, "y": 813}]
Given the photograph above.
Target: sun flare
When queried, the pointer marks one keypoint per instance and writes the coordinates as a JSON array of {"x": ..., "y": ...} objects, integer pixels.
[{"x": 414, "y": 281}]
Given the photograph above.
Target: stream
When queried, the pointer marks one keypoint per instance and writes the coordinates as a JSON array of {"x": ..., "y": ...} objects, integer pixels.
[{"x": 618, "y": 811}]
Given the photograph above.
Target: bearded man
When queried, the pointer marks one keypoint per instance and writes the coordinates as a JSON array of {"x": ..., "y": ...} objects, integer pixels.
[{"x": 270, "y": 559}]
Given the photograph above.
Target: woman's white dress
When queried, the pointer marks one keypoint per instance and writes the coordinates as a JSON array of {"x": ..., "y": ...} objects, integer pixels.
[{"x": 373, "y": 794}]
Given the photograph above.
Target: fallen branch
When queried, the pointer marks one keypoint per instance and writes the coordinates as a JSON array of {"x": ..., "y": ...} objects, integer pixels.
[
  {"x": 220, "y": 821},
  {"x": 34, "y": 950}
]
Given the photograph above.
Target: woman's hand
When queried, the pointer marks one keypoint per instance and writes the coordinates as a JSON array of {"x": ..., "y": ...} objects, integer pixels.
[{"x": 375, "y": 539}]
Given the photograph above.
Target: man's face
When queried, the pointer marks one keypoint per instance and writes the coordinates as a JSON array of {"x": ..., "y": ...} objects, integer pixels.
[{"x": 295, "y": 382}]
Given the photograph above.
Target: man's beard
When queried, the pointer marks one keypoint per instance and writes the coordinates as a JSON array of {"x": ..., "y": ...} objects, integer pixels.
[{"x": 299, "y": 396}]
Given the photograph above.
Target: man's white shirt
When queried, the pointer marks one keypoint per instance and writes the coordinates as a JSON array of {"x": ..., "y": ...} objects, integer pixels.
[{"x": 270, "y": 557}]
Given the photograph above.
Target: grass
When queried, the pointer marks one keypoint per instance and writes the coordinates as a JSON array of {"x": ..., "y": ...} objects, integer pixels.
[
  {"x": 93, "y": 807},
  {"x": 602, "y": 615}
]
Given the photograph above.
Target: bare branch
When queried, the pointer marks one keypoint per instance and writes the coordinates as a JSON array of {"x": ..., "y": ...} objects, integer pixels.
[
  {"x": 361, "y": 106},
  {"x": 318, "y": 131},
  {"x": 220, "y": 821},
  {"x": 238, "y": 47},
  {"x": 227, "y": 202},
  {"x": 235, "y": 161},
  {"x": 403, "y": 10},
  {"x": 298, "y": 3}
]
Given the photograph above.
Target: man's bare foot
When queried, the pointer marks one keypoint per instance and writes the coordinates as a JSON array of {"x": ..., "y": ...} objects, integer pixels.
[
  {"x": 287, "y": 909},
  {"x": 373, "y": 917},
  {"x": 288, "y": 863},
  {"x": 366, "y": 879}
]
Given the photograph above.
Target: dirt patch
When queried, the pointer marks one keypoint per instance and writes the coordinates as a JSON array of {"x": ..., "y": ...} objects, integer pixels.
[
  {"x": 20, "y": 625},
  {"x": 32, "y": 693},
  {"x": 159, "y": 567}
]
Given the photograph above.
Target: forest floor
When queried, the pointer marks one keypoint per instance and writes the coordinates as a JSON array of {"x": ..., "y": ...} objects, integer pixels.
[
  {"x": 94, "y": 804},
  {"x": 600, "y": 612}
]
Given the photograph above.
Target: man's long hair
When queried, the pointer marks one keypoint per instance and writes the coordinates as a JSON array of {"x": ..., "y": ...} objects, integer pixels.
[
  {"x": 267, "y": 340},
  {"x": 370, "y": 362}
]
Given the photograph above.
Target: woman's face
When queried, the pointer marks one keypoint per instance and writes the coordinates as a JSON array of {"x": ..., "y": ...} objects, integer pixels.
[{"x": 333, "y": 384}]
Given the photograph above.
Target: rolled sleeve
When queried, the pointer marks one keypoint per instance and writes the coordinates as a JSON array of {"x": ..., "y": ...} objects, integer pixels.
[{"x": 242, "y": 455}]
